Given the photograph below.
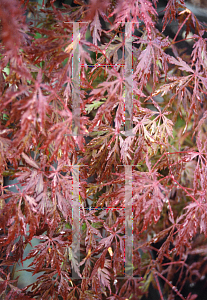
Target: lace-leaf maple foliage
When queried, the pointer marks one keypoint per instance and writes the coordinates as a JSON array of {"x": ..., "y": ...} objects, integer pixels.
[{"x": 38, "y": 148}]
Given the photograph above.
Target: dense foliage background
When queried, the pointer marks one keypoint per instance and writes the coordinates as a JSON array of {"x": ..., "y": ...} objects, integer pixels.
[{"x": 44, "y": 141}]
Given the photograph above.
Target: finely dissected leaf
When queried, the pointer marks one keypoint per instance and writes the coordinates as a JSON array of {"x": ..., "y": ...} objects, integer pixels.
[
  {"x": 96, "y": 28},
  {"x": 104, "y": 274},
  {"x": 31, "y": 201},
  {"x": 182, "y": 64},
  {"x": 94, "y": 105},
  {"x": 30, "y": 161},
  {"x": 171, "y": 10}
]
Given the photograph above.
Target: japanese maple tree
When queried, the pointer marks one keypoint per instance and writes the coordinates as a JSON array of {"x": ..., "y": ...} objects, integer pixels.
[{"x": 55, "y": 123}]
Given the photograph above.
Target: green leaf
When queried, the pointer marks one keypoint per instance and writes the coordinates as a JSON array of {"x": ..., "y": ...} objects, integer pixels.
[{"x": 94, "y": 105}]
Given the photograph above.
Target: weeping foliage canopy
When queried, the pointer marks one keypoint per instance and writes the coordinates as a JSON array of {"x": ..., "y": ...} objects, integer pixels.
[{"x": 39, "y": 147}]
